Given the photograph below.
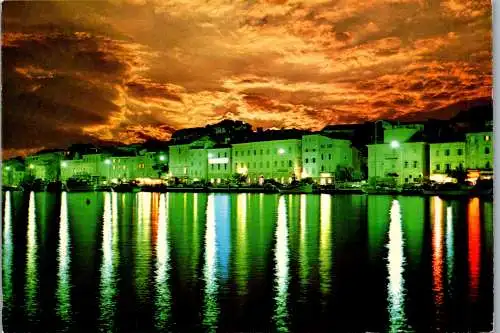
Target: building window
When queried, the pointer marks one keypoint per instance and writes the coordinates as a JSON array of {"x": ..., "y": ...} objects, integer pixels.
[
  {"x": 249, "y": 152},
  {"x": 415, "y": 164},
  {"x": 268, "y": 152},
  {"x": 307, "y": 150},
  {"x": 225, "y": 154},
  {"x": 225, "y": 166},
  {"x": 236, "y": 153},
  {"x": 447, "y": 167},
  {"x": 255, "y": 152},
  {"x": 438, "y": 167},
  {"x": 236, "y": 165},
  {"x": 487, "y": 138},
  {"x": 275, "y": 163},
  {"x": 487, "y": 150},
  {"x": 314, "y": 159},
  {"x": 330, "y": 156},
  {"x": 446, "y": 152},
  {"x": 262, "y": 152},
  {"x": 330, "y": 145},
  {"x": 322, "y": 157},
  {"x": 289, "y": 163},
  {"x": 487, "y": 165},
  {"x": 322, "y": 146},
  {"x": 282, "y": 163},
  {"x": 314, "y": 150},
  {"x": 307, "y": 160},
  {"x": 460, "y": 152},
  {"x": 322, "y": 168},
  {"x": 406, "y": 164},
  {"x": 218, "y": 166},
  {"x": 437, "y": 152},
  {"x": 261, "y": 164}
]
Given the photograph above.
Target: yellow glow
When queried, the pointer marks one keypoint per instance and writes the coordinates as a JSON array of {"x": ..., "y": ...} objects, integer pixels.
[
  {"x": 64, "y": 256},
  {"x": 304, "y": 260},
  {"x": 31, "y": 289},
  {"x": 211, "y": 310},
  {"x": 442, "y": 178},
  {"x": 395, "y": 263},
  {"x": 437, "y": 254},
  {"x": 449, "y": 244},
  {"x": 8, "y": 250},
  {"x": 325, "y": 250},
  {"x": 242, "y": 171},
  {"x": 242, "y": 253},
  {"x": 143, "y": 247},
  {"x": 281, "y": 268}
]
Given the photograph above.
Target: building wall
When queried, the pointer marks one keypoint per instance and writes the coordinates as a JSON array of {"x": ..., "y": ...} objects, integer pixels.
[
  {"x": 13, "y": 173},
  {"x": 219, "y": 164},
  {"x": 45, "y": 166},
  {"x": 479, "y": 150},
  {"x": 92, "y": 165},
  {"x": 409, "y": 161},
  {"x": 278, "y": 159},
  {"x": 178, "y": 156},
  {"x": 198, "y": 164},
  {"x": 322, "y": 155},
  {"x": 444, "y": 156},
  {"x": 401, "y": 133}
]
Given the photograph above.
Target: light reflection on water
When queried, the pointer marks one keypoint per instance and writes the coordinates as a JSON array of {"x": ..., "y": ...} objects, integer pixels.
[
  {"x": 219, "y": 257},
  {"x": 64, "y": 257},
  {"x": 395, "y": 266},
  {"x": 31, "y": 286}
]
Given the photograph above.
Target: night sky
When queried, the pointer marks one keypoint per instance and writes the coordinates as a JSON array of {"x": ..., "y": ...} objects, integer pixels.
[{"x": 129, "y": 70}]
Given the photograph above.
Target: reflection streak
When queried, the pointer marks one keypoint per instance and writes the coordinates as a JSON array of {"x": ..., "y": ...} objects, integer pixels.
[
  {"x": 437, "y": 256},
  {"x": 281, "y": 269},
  {"x": 450, "y": 255},
  {"x": 241, "y": 259},
  {"x": 211, "y": 309},
  {"x": 163, "y": 296},
  {"x": 108, "y": 268},
  {"x": 396, "y": 261},
  {"x": 8, "y": 250},
  {"x": 64, "y": 258},
  {"x": 474, "y": 244},
  {"x": 31, "y": 291},
  {"x": 325, "y": 249}
]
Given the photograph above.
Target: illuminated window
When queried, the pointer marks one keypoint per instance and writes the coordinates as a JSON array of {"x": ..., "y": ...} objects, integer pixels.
[{"x": 487, "y": 138}]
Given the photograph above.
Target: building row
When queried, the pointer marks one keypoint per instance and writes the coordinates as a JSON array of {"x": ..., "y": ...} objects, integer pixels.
[{"x": 395, "y": 152}]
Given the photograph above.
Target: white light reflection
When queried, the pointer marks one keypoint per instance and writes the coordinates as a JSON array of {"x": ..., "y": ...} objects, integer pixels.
[
  {"x": 396, "y": 261},
  {"x": 143, "y": 247},
  {"x": 31, "y": 289},
  {"x": 211, "y": 309},
  {"x": 108, "y": 288},
  {"x": 281, "y": 269},
  {"x": 325, "y": 250},
  {"x": 8, "y": 250},
  {"x": 437, "y": 258},
  {"x": 304, "y": 260},
  {"x": 63, "y": 291},
  {"x": 450, "y": 255},
  {"x": 163, "y": 296}
]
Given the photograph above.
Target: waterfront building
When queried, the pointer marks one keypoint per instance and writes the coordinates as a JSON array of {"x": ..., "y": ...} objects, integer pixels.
[
  {"x": 219, "y": 163},
  {"x": 401, "y": 158},
  {"x": 93, "y": 167},
  {"x": 323, "y": 158},
  {"x": 13, "y": 172},
  {"x": 45, "y": 165},
  {"x": 479, "y": 150},
  {"x": 280, "y": 160},
  {"x": 189, "y": 160},
  {"x": 445, "y": 157}
]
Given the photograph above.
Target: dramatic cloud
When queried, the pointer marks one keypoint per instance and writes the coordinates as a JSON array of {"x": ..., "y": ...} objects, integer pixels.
[{"x": 130, "y": 70}]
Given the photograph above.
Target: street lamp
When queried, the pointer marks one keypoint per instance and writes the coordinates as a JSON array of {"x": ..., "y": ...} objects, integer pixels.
[
  {"x": 64, "y": 164},
  {"x": 162, "y": 158},
  {"x": 7, "y": 168},
  {"x": 281, "y": 151},
  {"x": 395, "y": 144}
]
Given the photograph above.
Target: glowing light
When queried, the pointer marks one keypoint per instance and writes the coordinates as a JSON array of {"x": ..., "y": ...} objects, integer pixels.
[
  {"x": 395, "y": 144},
  {"x": 437, "y": 256},
  {"x": 325, "y": 250},
  {"x": 108, "y": 267},
  {"x": 242, "y": 171},
  {"x": 31, "y": 287},
  {"x": 162, "y": 158},
  {"x": 210, "y": 309},
  {"x": 222, "y": 160},
  {"x": 107, "y": 161},
  {"x": 449, "y": 246},
  {"x": 281, "y": 269},
  {"x": 7, "y": 168},
  {"x": 143, "y": 246},
  {"x": 31, "y": 166},
  {"x": 8, "y": 250},
  {"x": 395, "y": 267},
  {"x": 64, "y": 164},
  {"x": 163, "y": 300},
  {"x": 242, "y": 250},
  {"x": 474, "y": 245},
  {"x": 64, "y": 257},
  {"x": 281, "y": 151},
  {"x": 304, "y": 260}
]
